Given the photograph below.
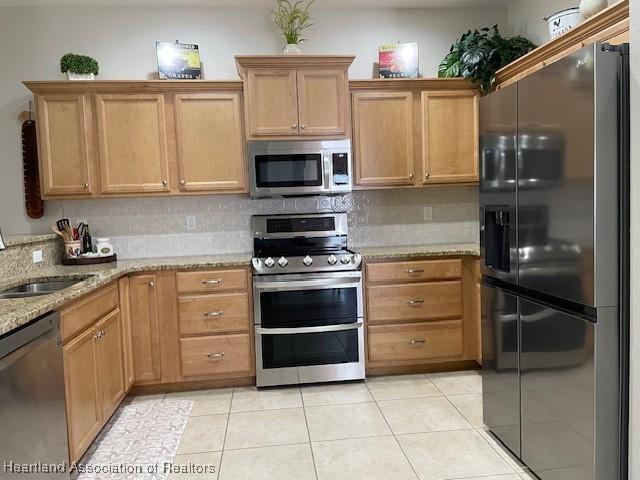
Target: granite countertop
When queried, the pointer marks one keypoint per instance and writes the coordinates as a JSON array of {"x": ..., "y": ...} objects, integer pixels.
[
  {"x": 28, "y": 238},
  {"x": 439, "y": 250},
  {"x": 17, "y": 312}
]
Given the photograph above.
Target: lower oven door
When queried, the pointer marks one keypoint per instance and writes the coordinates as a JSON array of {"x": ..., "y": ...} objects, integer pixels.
[{"x": 309, "y": 328}]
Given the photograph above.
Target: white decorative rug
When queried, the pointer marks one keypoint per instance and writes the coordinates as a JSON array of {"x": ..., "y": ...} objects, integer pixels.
[{"x": 137, "y": 442}]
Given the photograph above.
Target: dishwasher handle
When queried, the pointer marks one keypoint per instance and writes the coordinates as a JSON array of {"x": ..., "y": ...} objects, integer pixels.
[{"x": 20, "y": 337}]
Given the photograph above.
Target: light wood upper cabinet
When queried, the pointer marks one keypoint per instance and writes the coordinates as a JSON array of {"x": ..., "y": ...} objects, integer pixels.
[
  {"x": 145, "y": 331},
  {"x": 272, "y": 102},
  {"x": 65, "y": 142},
  {"x": 450, "y": 136},
  {"x": 322, "y": 101},
  {"x": 383, "y": 138},
  {"x": 110, "y": 363},
  {"x": 210, "y": 142},
  {"x": 289, "y": 96},
  {"x": 132, "y": 143},
  {"x": 82, "y": 392}
]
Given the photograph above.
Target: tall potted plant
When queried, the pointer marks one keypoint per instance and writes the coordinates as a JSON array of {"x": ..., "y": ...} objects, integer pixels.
[
  {"x": 479, "y": 54},
  {"x": 292, "y": 19},
  {"x": 79, "y": 67}
]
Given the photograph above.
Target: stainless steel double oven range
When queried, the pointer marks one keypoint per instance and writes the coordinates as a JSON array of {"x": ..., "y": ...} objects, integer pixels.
[{"x": 308, "y": 303}]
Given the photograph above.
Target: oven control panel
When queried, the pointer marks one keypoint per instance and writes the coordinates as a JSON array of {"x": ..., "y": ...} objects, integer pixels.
[{"x": 308, "y": 263}]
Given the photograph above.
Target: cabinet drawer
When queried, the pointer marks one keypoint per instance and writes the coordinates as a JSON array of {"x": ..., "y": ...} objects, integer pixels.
[
  {"x": 202, "y": 356},
  {"x": 420, "y": 301},
  {"x": 207, "y": 314},
  {"x": 87, "y": 311},
  {"x": 415, "y": 341},
  {"x": 414, "y": 271},
  {"x": 211, "y": 281}
]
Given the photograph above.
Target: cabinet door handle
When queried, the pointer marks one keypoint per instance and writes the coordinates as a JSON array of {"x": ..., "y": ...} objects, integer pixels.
[
  {"x": 212, "y": 282},
  {"x": 415, "y": 270},
  {"x": 183, "y": 182},
  {"x": 294, "y": 126},
  {"x": 97, "y": 335},
  {"x": 415, "y": 302},
  {"x": 164, "y": 182},
  {"x": 152, "y": 284},
  {"x": 86, "y": 184},
  {"x": 427, "y": 175},
  {"x": 215, "y": 355},
  {"x": 411, "y": 175},
  {"x": 303, "y": 126},
  {"x": 214, "y": 314},
  {"x": 417, "y": 342}
]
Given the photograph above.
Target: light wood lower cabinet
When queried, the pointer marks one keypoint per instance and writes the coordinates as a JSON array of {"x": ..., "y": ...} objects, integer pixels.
[
  {"x": 145, "y": 328},
  {"x": 110, "y": 362},
  {"x": 419, "y": 342},
  {"x": 417, "y": 313},
  {"x": 418, "y": 301},
  {"x": 213, "y": 355},
  {"x": 211, "y": 314},
  {"x": 94, "y": 374},
  {"x": 82, "y": 391}
]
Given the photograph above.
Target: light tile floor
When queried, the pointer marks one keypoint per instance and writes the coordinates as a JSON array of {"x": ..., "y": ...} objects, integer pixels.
[{"x": 413, "y": 427}]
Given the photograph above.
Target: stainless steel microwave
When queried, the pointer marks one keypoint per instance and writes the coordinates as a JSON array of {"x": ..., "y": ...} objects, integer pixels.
[{"x": 299, "y": 168}]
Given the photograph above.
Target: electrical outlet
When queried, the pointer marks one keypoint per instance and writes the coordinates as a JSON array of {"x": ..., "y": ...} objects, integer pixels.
[
  {"x": 427, "y": 213},
  {"x": 191, "y": 222},
  {"x": 37, "y": 256}
]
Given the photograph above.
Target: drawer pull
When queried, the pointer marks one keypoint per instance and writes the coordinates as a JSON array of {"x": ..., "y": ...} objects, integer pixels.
[
  {"x": 415, "y": 302},
  {"x": 213, "y": 314},
  {"x": 417, "y": 342},
  {"x": 415, "y": 270},
  {"x": 212, "y": 282},
  {"x": 215, "y": 355}
]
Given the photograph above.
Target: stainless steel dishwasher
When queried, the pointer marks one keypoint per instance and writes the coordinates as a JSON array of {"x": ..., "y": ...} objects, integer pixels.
[{"x": 32, "y": 412}]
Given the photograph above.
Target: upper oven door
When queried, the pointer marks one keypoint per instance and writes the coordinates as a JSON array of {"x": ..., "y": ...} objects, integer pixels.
[
  {"x": 288, "y": 168},
  {"x": 308, "y": 300}
]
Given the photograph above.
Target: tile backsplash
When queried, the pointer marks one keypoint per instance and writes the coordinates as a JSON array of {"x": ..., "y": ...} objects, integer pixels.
[{"x": 200, "y": 225}]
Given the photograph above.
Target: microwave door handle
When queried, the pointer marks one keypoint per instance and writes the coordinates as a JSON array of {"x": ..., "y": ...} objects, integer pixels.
[{"x": 290, "y": 331}]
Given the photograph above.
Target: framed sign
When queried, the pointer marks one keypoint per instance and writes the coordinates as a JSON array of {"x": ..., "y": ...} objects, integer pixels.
[
  {"x": 178, "y": 61},
  {"x": 398, "y": 60}
]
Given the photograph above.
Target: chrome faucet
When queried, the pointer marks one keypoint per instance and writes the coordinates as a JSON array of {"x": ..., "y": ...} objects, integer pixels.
[{"x": 2, "y": 245}]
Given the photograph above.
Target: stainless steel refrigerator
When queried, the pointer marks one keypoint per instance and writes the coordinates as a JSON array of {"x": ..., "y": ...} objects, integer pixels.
[{"x": 554, "y": 245}]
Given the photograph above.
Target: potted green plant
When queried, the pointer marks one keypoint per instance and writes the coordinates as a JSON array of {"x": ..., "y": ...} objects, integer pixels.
[
  {"x": 79, "y": 67},
  {"x": 292, "y": 19},
  {"x": 477, "y": 55}
]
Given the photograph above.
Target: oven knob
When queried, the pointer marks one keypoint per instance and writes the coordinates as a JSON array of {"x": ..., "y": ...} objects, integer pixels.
[
  {"x": 269, "y": 262},
  {"x": 345, "y": 259},
  {"x": 332, "y": 259},
  {"x": 307, "y": 261},
  {"x": 283, "y": 262}
]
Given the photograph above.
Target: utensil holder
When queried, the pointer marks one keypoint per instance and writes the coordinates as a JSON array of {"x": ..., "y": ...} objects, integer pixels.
[{"x": 73, "y": 249}]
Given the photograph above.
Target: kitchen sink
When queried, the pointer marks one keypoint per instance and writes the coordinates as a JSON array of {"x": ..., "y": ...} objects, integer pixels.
[{"x": 38, "y": 288}]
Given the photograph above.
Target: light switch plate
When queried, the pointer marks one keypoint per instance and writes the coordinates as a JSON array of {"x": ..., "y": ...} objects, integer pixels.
[
  {"x": 427, "y": 213},
  {"x": 191, "y": 222},
  {"x": 37, "y": 256}
]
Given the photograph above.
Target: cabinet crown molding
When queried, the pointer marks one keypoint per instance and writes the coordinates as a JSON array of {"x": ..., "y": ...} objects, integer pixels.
[
  {"x": 291, "y": 61},
  {"x": 132, "y": 86},
  {"x": 395, "y": 84},
  {"x": 603, "y": 25}
]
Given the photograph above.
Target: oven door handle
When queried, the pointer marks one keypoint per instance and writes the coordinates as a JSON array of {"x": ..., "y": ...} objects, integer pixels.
[
  {"x": 289, "y": 331},
  {"x": 346, "y": 282}
]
